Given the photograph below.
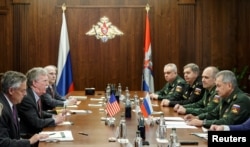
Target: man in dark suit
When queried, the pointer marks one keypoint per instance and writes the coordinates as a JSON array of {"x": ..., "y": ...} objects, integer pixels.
[
  {"x": 52, "y": 98},
  {"x": 32, "y": 118},
  {"x": 241, "y": 127},
  {"x": 13, "y": 90}
]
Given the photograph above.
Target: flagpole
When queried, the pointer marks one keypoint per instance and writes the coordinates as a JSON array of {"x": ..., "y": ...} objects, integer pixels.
[
  {"x": 64, "y": 7},
  {"x": 147, "y": 8}
]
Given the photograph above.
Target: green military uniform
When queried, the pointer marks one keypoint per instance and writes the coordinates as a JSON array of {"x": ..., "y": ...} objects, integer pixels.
[
  {"x": 230, "y": 111},
  {"x": 191, "y": 94},
  {"x": 208, "y": 102},
  {"x": 173, "y": 90}
]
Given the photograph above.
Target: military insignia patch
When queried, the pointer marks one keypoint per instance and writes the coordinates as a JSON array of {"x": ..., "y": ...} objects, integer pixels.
[
  {"x": 104, "y": 30},
  {"x": 197, "y": 91},
  {"x": 178, "y": 89},
  {"x": 216, "y": 99},
  {"x": 235, "y": 109}
]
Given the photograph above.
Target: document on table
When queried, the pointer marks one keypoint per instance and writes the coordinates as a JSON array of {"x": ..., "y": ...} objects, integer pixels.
[
  {"x": 170, "y": 118},
  {"x": 95, "y": 105},
  {"x": 74, "y": 106},
  {"x": 78, "y": 97},
  {"x": 201, "y": 135},
  {"x": 55, "y": 136},
  {"x": 96, "y": 99},
  {"x": 178, "y": 124},
  {"x": 80, "y": 111}
]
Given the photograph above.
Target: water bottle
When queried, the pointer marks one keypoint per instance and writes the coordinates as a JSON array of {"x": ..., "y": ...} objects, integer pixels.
[
  {"x": 161, "y": 131},
  {"x": 119, "y": 88},
  {"x": 174, "y": 139},
  {"x": 137, "y": 103},
  {"x": 141, "y": 126},
  {"x": 107, "y": 93},
  {"x": 138, "y": 140},
  {"x": 127, "y": 104},
  {"x": 122, "y": 129}
]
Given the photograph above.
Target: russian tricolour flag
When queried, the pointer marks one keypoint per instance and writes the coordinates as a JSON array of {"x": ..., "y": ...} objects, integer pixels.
[
  {"x": 146, "y": 106},
  {"x": 147, "y": 77},
  {"x": 64, "y": 81}
]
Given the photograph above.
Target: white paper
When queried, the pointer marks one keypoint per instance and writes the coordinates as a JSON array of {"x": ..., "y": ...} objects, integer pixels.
[
  {"x": 72, "y": 106},
  {"x": 78, "y": 97},
  {"x": 179, "y": 124},
  {"x": 170, "y": 118},
  {"x": 65, "y": 123},
  {"x": 201, "y": 135},
  {"x": 156, "y": 112},
  {"x": 80, "y": 111},
  {"x": 161, "y": 140},
  {"x": 95, "y": 105},
  {"x": 96, "y": 99},
  {"x": 122, "y": 140},
  {"x": 65, "y": 135}
]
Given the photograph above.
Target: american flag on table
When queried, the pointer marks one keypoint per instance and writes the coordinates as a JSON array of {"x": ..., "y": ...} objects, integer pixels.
[{"x": 112, "y": 106}]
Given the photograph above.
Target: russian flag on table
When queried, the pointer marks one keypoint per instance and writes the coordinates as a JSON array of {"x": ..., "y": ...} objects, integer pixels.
[
  {"x": 146, "y": 106},
  {"x": 64, "y": 83},
  {"x": 147, "y": 77},
  {"x": 112, "y": 106}
]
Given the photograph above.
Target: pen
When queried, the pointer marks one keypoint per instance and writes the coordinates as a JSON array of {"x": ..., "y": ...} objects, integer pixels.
[
  {"x": 81, "y": 133},
  {"x": 52, "y": 134},
  {"x": 65, "y": 112},
  {"x": 189, "y": 143}
]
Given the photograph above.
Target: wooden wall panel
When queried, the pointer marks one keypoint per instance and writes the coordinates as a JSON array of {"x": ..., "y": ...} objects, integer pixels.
[
  {"x": 6, "y": 36},
  {"x": 205, "y": 32}
]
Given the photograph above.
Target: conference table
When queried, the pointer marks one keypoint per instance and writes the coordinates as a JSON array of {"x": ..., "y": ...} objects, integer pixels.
[{"x": 98, "y": 133}]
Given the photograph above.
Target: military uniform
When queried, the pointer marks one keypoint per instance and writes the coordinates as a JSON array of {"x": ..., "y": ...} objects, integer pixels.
[
  {"x": 191, "y": 94},
  {"x": 173, "y": 90},
  {"x": 230, "y": 111},
  {"x": 208, "y": 102}
]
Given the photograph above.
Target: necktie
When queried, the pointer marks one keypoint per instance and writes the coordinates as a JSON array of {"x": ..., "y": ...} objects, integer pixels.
[
  {"x": 51, "y": 91},
  {"x": 39, "y": 106},
  {"x": 14, "y": 111}
]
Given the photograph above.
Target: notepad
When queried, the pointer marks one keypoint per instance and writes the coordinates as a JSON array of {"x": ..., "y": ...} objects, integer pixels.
[{"x": 55, "y": 136}]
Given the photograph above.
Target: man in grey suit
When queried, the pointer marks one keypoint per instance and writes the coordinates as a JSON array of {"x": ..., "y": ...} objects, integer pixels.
[
  {"x": 52, "y": 98},
  {"x": 13, "y": 90}
]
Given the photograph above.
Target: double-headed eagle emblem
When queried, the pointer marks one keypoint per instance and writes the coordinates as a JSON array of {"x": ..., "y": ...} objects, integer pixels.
[{"x": 104, "y": 30}]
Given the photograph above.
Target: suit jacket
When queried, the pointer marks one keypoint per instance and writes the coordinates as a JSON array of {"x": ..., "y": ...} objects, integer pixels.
[
  {"x": 50, "y": 103},
  {"x": 54, "y": 94},
  {"x": 9, "y": 132},
  {"x": 242, "y": 127},
  {"x": 31, "y": 121},
  {"x": 52, "y": 99}
]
